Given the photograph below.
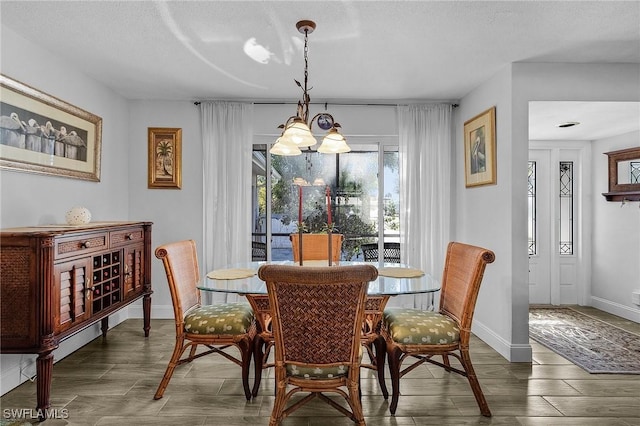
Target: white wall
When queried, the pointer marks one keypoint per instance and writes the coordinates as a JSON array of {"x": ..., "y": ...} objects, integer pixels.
[
  {"x": 584, "y": 82},
  {"x": 615, "y": 264},
  {"x": 30, "y": 199},
  {"x": 498, "y": 218},
  {"x": 176, "y": 213},
  {"x": 486, "y": 216}
]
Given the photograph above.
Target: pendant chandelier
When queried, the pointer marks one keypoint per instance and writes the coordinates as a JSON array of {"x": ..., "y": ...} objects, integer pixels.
[{"x": 296, "y": 131}]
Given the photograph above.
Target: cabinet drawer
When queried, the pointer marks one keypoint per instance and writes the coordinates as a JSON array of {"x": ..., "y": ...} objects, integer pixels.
[
  {"x": 126, "y": 236},
  {"x": 81, "y": 244}
]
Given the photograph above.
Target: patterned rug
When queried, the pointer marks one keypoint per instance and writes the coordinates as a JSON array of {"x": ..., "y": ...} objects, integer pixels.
[{"x": 592, "y": 344}]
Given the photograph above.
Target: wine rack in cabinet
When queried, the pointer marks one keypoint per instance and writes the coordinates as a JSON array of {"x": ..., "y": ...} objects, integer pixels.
[
  {"x": 58, "y": 280},
  {"x": 106, "y": 281}
]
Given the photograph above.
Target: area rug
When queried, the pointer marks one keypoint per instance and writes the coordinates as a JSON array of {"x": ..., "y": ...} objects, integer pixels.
[{"x": 592, "y": 344}]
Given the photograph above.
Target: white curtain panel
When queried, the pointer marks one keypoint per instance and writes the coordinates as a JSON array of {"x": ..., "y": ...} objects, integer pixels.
[
  {"x": 425, "y": 144},
  {"x": 227, "y": 132}
]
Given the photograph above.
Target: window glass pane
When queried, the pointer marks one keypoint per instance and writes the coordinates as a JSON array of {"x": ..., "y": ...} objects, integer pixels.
[
  {"x": 566, "y": 207},
  {"x": 531, "y": 200},
  {"x": 391, "y": 200},
  {"x": 357, "y": 201},
  {"x": 258, "y": 204},
  {"x": 353, "y": 180}
]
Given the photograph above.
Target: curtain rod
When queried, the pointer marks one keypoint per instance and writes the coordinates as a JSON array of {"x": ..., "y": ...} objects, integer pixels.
[{"x": 325, "y": 104}]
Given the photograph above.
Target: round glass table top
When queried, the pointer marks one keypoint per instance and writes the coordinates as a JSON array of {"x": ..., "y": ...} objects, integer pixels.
[{"x": 394, "y": 279}]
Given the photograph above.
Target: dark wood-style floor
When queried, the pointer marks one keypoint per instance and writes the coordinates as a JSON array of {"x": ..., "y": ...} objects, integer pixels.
[{"x": 112, "y": 382}]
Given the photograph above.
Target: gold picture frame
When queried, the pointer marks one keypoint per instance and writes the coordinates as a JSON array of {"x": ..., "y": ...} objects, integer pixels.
[
  {"x": 480, "y": 149},
  {"x": 40, "y": 133},
  {"x": 165, "y": 158}
]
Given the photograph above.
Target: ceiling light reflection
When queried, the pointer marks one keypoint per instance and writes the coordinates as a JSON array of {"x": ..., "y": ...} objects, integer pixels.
[{"x": 256, "y": 51}]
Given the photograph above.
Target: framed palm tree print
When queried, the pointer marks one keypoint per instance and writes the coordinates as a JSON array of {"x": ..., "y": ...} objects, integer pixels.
[{"x": 165, "y": 158}]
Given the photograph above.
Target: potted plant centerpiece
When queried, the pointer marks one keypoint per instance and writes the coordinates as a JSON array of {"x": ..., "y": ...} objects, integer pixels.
[
  {"x": 316, "y": 241},
  {"x": 315, "y": 246}
]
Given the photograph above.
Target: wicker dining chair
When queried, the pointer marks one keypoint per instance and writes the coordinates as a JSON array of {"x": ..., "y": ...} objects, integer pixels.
[
  {"x": 216, "y": 327},
  {"x": 263, "y": 341},
  {"x": 391, "y": 252},
  {"x": 317, "y": 321},
  {"x": 258, "y": 251},
  {"x": 420, "y": 335}
]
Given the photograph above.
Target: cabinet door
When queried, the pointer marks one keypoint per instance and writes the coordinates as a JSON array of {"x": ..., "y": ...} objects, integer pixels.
[
  {"x": 133, "y": 270},
  {"x": 72, "y": 294}
]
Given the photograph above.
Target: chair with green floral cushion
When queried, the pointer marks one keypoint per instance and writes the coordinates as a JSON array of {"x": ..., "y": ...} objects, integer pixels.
[
  {"x": 216, "y": 327},
  {"x": 420, "y": 335},
  {"x": 317, "y": 321}
]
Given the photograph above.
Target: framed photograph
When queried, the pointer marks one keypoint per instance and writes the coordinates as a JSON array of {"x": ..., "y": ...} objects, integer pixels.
[
  {"x": 165, "y": 158},
  {"x": 40, "y": 133},
  {"x": 480, "y": 149},
  {"x": 325, "y": 121}
]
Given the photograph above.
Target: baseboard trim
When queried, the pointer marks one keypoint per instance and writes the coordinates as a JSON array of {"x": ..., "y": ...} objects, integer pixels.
[
  {"x": 510, "y": 351},
  {"x": 626, "y": 312},
  {"x": 157, "y": 312}
]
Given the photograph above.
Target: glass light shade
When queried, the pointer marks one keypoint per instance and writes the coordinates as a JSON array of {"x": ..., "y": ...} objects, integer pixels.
[
  {"x": 298, "y": 133},
  {"x": 334, "y": 143},
  {"x": 280, "y": 148}
]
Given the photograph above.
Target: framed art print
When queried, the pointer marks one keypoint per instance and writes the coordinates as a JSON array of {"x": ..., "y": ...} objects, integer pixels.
[
  {"x": 480, "y": 149},
  {"x": 165, "y": 158},
  {"x": 40, "y": 133}
]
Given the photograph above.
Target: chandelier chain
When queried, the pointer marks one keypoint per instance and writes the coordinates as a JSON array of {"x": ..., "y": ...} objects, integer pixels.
[{"x": 306, "y": 97}]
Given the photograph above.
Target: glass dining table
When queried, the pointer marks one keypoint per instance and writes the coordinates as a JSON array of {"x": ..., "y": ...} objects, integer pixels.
[{"x": 394, "y": 279}]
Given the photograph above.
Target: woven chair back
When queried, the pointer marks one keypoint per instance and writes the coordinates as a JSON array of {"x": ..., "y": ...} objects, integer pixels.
[
  {"x": 391, "y": 252},
  {"x": 463, "y": 271},
  {"x": 183, "y": 274},
  {"x": 258, "y": 251},
  {"x": 318, "y": 311}
]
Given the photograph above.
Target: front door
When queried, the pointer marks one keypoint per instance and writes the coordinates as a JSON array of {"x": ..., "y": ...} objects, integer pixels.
[{"x": 556, "y": 246}]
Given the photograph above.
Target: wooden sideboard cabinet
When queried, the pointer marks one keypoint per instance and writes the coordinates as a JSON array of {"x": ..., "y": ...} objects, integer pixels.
[{"x": 56, "y": 280}]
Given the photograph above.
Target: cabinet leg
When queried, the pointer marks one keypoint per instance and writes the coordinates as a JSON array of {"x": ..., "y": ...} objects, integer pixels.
[
  {"x": 104, "y": 326},
  {"x": 146, "y": 312},
  {"x": 44, "y": 371}
]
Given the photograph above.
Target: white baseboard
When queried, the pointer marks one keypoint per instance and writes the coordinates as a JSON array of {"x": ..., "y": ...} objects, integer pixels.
[
  {"x": 510, "y": 351},
  {"x": 626, "y": 312},
  {"x": 157, "y": 312}
]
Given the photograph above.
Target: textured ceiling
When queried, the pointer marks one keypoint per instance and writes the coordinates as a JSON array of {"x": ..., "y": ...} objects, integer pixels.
[{"x": 361, "y": 51}]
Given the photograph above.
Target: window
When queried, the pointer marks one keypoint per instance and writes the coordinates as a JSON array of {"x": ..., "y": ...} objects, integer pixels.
[
  {"x": 566, "y": 208},
  {"x": 531, "y": 203},
  {"x": 364, "y": 187}
]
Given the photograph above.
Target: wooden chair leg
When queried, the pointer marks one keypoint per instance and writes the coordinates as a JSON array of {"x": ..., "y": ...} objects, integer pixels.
[
  {"x": 475, "y": 384},
  {"x": 381, "y": 352},
  {"x": 355, "y": 403},
  {"x": 445, "y": 361},
  {"x": 258, "y": 360},
  {"x": 279, "y": 403},
  {"x": 246, "y": 349},
  {"x": 175, "y": 357},
  {"x": 394, "y": 370}
]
